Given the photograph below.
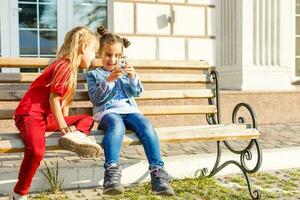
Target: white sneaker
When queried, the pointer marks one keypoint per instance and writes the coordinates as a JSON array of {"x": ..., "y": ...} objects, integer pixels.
[
  {"x": 79, "y": 143},
  {"x": 15, "y": 196}
]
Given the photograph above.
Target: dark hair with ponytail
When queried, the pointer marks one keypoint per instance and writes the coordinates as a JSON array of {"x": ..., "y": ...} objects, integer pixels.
[{"x": 110, "y": 38}]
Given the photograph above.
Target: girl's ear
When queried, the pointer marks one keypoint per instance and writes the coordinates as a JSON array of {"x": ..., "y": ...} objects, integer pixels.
[
  {"x": 98, "y": 55},
  {"x": 82, "y": 48}
]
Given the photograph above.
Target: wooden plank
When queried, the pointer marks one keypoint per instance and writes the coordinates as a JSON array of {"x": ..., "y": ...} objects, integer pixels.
[
  {"x": 165, "y": 64},
  {"x": 24, "y": 62},
  {"x": 13, "y": 143},
  {"x": 176, "y": 94},
  {"x": 27, "y": 77},
  {"x": 178, "y": 109},
  {"x": 147, "y": 110},
  {"x": 175, "y": 78},
  {"x": 12, "y": 62},
  {"x": 147, "y": 86},
  {"x": 170, "y": 71},
  {"x": 149, "y": 78},
  {"x": 174, "y": 86},
  {"x": 16, "y": 95}
]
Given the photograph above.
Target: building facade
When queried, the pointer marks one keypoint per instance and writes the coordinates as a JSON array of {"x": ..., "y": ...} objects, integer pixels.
[{"x": 254, "y": 44}]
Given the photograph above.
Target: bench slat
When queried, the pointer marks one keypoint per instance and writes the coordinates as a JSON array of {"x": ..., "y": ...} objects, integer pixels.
[
  {"x": 178, "y": 109},
  {"x": 27, "y": 77},
  {"x": 147, "y": 78},
  {"x": 13, "y": 62},
  {"x": 9, "y": 95},
  {"x": 147, "y": 110},
  {"x": 165, "y": 135}
]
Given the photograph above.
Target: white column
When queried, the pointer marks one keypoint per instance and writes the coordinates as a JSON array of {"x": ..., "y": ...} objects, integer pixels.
[
  {"x": 64, "y": 19},
  {"x": 110, "y": 16},
  {"x": 255, "y": 44},
  {"x": 9, "y": 30}
]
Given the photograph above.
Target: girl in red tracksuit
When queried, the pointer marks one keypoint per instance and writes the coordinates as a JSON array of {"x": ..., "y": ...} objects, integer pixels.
[{"x": 44, "y": 107}]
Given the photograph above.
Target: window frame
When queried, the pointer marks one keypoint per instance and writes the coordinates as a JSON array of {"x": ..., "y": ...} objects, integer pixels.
[{"x": 9, "y": 17}]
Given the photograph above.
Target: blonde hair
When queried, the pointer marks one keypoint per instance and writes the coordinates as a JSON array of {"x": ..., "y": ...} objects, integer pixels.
[
  {"x": 74, "y": 39},
  {"x": 110, "y": 38}
]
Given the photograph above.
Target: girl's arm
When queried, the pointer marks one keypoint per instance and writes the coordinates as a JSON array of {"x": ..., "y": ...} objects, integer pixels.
[
  {"x": 65, "y": 111},
  {"x": 58, "y": 113},
  {"x": 135, "y": 84},
  {"x": 99, "y": 88}
]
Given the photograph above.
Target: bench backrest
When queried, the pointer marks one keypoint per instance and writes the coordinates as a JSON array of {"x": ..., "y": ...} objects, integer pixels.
[{"x": 177, "y": 91}]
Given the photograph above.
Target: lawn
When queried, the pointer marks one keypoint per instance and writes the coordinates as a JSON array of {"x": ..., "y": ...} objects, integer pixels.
[{"x": 284, "y": 184}]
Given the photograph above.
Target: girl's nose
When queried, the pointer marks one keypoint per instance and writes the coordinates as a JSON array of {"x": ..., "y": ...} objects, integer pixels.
[{"x": 114, "y": 58}]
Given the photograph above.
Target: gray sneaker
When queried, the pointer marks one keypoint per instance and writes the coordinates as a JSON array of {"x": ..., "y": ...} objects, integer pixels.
[
  {"x": 112, "y": 180},
  {"x": 160, "y": 182}
]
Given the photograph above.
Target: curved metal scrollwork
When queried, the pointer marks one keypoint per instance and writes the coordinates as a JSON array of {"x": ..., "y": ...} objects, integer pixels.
[
  {"x": 245, "y": 154},
  {"x": 214, "y": 118},
  {"x": 211, "y": 120},
  {"x": 241, "y": 120}
]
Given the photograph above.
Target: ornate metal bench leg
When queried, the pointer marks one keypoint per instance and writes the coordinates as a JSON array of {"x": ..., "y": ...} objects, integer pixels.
[{"x": 244, "y": 154}]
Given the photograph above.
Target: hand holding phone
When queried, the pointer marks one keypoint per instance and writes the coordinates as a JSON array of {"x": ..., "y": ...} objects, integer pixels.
[{"x": 122, "y": 64}]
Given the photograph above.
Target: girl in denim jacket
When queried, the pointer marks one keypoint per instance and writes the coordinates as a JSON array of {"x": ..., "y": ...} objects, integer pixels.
[{"x": 112, "y": 91}]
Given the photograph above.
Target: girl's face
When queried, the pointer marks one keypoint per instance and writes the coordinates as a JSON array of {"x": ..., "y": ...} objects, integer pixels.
[
  {"x": 110, "y": 55},
  {"x": 88, "y": 54}
]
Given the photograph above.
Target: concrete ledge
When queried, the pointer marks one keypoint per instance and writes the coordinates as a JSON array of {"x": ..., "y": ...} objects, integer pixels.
[{"x": 90, "y": 174}]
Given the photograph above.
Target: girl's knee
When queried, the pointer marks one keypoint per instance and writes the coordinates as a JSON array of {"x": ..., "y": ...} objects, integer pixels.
[
  {"x": 146, "y": 126},
  {"x": 88, "y": 119},
  {"x": 36, "y": 154},
  {"x": 117, "y": 128}
]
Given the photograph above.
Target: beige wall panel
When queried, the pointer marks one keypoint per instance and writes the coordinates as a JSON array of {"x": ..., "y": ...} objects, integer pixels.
[
  {"x": 189, "y": 20},
  {"x": 141, "y": 48},
  {"x": 171, "y": 49},
  {"x": 153, "y": 19},
  {"x": 172, "y": 1},
  {"x": 211, "y": 21},
  {"x": 204, "y": 2},
  {"x": 202, "y": 49},
  {"x": 123, "y": 17}
]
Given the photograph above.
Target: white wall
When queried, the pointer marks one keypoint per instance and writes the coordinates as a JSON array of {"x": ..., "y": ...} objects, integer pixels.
[{"x": 146, "y": 23}]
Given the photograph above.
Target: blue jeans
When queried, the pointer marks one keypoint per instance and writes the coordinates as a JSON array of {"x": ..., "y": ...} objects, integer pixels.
[{"x": 114, "y": 125}]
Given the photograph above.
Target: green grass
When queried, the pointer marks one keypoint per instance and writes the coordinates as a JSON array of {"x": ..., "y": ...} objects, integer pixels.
[
  {"x": 52, "y": 176},
  {"x": 281, "y": 185}
]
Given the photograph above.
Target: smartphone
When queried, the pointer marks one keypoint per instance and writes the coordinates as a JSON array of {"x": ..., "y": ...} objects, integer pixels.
[{"x": 122, "y": 63}]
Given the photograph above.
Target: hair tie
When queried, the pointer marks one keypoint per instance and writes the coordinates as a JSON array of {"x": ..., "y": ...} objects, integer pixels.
[
  {"x": 101, "y": 31},
  {"x": 126, "y": 42}
]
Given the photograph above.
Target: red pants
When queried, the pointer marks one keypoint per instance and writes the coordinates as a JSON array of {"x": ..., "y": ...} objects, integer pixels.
[{"x": 32, "y": 130}]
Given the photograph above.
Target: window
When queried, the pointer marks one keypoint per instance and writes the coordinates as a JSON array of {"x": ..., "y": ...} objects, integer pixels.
[
  {"x": 37, "y": 28},
  {"x": 91, "y": 13},
  {"x": 38, "y": 24}
]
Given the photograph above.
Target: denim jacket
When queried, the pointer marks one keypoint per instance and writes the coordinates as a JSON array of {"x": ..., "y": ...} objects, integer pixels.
[{"x": 102, "y": 93}]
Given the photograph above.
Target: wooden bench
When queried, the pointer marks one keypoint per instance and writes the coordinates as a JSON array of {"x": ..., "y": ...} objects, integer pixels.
[{"x": 178, "y": 97}]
